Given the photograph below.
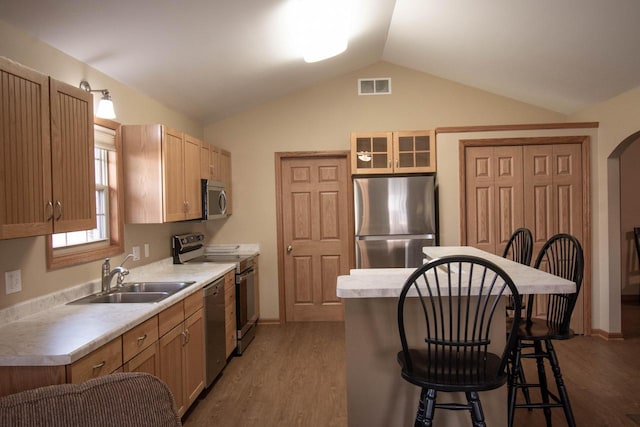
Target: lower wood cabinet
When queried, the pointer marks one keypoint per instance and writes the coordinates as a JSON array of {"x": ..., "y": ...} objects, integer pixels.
[{"x": 181, "y": 350}]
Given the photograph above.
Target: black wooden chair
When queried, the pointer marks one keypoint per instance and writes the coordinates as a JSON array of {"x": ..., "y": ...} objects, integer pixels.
[
  {"x": 452, "y": 352},
  {"x": 519, "y": 247},
  {"x": 562, "y": 256}
]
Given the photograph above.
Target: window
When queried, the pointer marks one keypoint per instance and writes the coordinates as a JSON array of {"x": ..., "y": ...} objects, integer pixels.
[{"x": 77, "y": 247}]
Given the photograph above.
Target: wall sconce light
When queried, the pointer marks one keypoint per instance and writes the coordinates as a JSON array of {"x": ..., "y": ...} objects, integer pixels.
[{"x": 105, "y": 107}]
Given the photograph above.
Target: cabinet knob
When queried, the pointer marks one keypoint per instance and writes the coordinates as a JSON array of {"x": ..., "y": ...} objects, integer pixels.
[{"x": 289, "y": 249}]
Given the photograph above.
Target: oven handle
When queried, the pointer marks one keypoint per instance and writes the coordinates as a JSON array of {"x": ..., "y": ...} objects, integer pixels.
[{"x": 245, "y": 274}]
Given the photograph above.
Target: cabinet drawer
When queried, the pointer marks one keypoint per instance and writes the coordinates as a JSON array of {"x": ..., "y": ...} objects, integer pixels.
[
  {"x": 139, "y": 338},
  {"x": 101, "y": 361},
  {"x": 170, "y": 318},
  {"x": 193, "y": 303}
]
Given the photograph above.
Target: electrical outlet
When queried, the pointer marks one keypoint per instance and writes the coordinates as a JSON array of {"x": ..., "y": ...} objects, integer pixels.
[
  {"x": 136, "y": 253},
  {"x": 13, "y": 281},
  {"x": 146, "y": 250}
]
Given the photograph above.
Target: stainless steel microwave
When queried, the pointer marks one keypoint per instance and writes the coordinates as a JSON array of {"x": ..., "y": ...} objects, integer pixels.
[{"x": 214, "y": 199}]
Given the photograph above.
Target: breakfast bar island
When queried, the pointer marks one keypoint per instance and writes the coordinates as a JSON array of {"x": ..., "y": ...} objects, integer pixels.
[{"x": 376, "y": 393}]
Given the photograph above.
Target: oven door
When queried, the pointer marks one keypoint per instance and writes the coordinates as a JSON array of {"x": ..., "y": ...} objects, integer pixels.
[{"x": 247, "y": 314}]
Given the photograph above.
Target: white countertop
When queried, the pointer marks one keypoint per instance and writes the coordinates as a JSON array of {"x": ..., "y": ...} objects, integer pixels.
[
  {"x": 62, "y": 334},
  {"x": 388, "y": 282}
]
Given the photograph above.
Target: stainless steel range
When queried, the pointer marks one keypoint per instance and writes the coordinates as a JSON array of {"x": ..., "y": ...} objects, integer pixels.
[{"x": 189, "y": 248}]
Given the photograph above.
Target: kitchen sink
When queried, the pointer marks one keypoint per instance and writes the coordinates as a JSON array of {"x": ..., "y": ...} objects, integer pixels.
[
  {"x": 135, "y": 292},
  {"x": 146, "y": 287},
  {"x": 122, "y": 297}
]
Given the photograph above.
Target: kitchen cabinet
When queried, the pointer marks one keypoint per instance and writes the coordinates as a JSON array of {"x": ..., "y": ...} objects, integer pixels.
[
  {"x": 102, "y": 361},
  {"x": 181, "y": 350},
  {"x": 230, "y": 321},
  {"x": 46, "y": 135},
  {"x": 393, "y": 152},
  {"x": 209, "y": 162},
  {"x": 161, "y": 174}
]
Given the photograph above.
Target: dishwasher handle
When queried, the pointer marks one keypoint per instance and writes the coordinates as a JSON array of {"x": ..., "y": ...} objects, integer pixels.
[{"x": 214, "y": 287}]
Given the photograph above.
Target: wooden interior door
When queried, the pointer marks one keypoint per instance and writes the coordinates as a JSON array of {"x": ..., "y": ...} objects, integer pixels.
[
  {"x": 538, "y": 183},
  {"x": 553, "y": 204},
  {"x": 314, "y": 211},
  {"x": 493, "y": 194}
]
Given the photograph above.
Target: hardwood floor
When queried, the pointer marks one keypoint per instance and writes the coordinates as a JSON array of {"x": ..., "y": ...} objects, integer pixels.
[
  {"x": 294, "y": 375},
  {"x": 291, "y": 375}
]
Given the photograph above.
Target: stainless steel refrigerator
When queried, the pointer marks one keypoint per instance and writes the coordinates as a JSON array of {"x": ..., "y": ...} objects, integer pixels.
[{"x": 395, "y": 217}]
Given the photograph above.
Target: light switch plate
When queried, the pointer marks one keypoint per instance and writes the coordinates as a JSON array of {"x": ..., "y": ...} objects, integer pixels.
[
  {"x": 13, "y": 281},
  {"x": 136, "y": 253},
  {"x": 146, "y": 250}
]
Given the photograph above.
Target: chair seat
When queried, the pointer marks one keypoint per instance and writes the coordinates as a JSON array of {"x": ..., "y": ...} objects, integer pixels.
[
  {"x": 538, "y": 329},
  {"x": 485, "y": 376}
]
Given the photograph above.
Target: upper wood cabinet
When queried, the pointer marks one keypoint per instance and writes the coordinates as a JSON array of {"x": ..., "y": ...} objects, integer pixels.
[
  {"x": 393, "y": 152},
  {"x": 215, "y": 164},
  {"x": 47, "y": 181},
  {"x": 161, "y": 174}
]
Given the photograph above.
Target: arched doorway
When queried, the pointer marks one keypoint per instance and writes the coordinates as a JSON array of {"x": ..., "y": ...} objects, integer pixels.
[{"x": 625, "y": 159}]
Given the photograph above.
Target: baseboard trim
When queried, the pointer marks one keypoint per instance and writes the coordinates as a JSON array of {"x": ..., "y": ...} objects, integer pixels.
[
  {"x": 262, "y": 321},
  {"x": 609, "y": 336}
]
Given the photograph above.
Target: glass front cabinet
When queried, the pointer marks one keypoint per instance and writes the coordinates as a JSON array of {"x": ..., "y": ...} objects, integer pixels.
[{"x": 393, "y": 152}]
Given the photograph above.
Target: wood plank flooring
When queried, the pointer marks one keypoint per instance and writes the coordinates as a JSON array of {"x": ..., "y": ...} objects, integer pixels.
[{"x": 294, "y": 375}]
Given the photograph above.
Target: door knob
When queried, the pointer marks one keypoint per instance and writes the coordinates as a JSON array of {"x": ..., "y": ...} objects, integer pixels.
[{"x": 289, "y": 249}]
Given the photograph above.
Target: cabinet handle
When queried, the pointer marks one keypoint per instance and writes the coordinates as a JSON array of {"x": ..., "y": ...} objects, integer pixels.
[
  {"x": 100, "y": 365},
  {"x": 50, "y": 206},
  {"x": 389, "y": 163},
  {"x": 142, "y": 338},
  {"x": 289, "y": 249},
  {"x": 59, "y": 208},
  {"x": 184, "y": 337},
  {"x": 397, "y": 163}
]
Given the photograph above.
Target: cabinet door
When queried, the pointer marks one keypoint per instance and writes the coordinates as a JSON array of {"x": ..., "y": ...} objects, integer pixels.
[
  {"x": 172, "y": 364},
  {"x": 371, "y": 153},
  {"x": 224, "y": 162},
  {"x": 25, "y": 152},
  {"x": 414, "y": 152},
  {"x": 173, "y": 166},
  {"x": 194, "y": 364},
  {"x": 148, "y": 360},
  {"x": 192, "y": 190},
  {"x": 73, "y": 158},
  {"x": 206, "y": 172}
]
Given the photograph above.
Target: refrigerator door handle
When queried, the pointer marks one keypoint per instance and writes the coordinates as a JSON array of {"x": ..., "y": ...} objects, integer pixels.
[{"x": 397, "y": 237}]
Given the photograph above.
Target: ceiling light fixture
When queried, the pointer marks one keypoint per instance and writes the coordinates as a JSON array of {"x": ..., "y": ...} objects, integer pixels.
[
  {"x": 105, "y": 107},
  {"x": 323, "y": 28}
]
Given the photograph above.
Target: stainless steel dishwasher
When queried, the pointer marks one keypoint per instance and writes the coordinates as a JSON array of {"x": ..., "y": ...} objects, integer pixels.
[{"x": 214, "y": 330}]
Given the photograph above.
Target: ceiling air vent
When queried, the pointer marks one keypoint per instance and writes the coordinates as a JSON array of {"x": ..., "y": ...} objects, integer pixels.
[{"x": 377, "y": 86}]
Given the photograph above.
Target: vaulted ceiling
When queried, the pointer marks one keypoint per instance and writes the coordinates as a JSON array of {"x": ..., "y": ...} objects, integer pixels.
[{"x": 212, "y": 58}]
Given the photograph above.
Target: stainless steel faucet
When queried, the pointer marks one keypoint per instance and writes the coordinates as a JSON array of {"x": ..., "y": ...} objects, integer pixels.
[{"x": 107, "y": 273}]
